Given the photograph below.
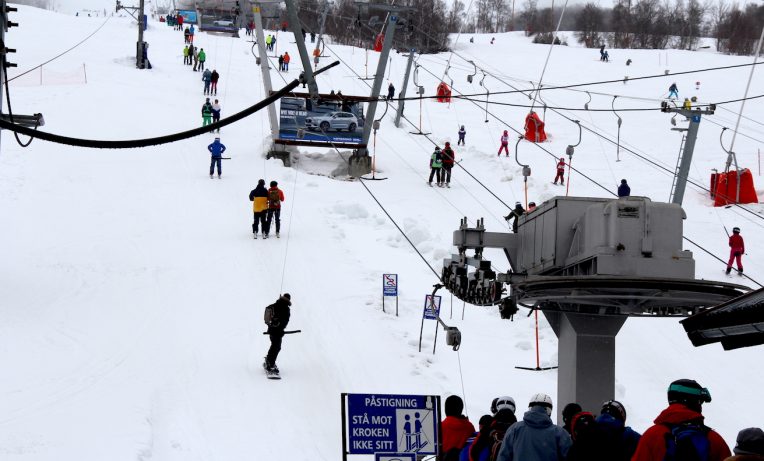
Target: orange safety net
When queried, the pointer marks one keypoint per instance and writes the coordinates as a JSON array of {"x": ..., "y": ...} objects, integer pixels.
[
  {"x": 378, "y": 42},
  {"x": 534, "y": 128},
  {"x": 443, "y": 92},
  {"x": 724, "y": 188}
]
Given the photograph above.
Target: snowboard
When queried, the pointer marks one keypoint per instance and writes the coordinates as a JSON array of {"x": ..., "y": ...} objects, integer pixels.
[{"x": 270, "y": 374}]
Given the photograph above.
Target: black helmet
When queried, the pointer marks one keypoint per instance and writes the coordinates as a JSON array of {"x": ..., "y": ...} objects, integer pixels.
[
  {"x": 688, "y": 392},
  {"x": 274, "y": 184},
  {"x": 615, "y": 409}
]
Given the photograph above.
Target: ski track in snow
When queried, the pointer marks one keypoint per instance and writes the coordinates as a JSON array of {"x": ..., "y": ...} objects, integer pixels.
[{"x": 133, "y": 291}]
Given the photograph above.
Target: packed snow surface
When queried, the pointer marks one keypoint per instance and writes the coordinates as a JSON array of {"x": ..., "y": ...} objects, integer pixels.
[{"x": 132, "y": 290}]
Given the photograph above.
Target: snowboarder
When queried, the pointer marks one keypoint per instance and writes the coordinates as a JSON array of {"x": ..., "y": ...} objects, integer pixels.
[
  {"x": 673, "y": 91},
  {"x": 214, "y": 82},
  {"x": 202, "y": 58},
  {"x": 216, "y": 112},
  {"x": 504, "y": 144},
  {"x": 275, "y": 197},
  {"x": 259, "y": 199},
  {"x": 281, "y": 62},
  {"x": 514, "y": 215},
  {"x": 390, "y": 91},
  {"x": 207, "y": 78},
  {"x": 185, "y": 55},
  {"x": 276, "y": 327},
  {"x": 462, "y": 134},
  {"x": 560, "y": 172},
  {"x": 448, "y": 156},
  {"x": 216, "y": 150},
  {"x": 624, "y": 190},
  {"x": 737, "y": 248},
  {"x": 685, "y": 398},
  {"x": 286, "y": 61},
  {"x": 436, "y": 164}
]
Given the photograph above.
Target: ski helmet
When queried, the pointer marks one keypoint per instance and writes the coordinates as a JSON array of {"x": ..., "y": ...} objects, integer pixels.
[
  {"x": 502, "y": 403},
  {"x": 688, "y": 392},
  {"x": 570, "y": 411},
  {"x": 542, "y": 400},
  {"x": 736, "y": 230},
  {"x": 615, "y": 409}
]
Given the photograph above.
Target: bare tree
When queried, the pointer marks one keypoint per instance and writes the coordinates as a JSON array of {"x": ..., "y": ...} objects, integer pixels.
[{"x": 589, "y": 23}]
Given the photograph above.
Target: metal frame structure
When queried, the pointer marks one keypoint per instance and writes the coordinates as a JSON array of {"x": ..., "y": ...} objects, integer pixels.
[{"x": 140, "y": 44}]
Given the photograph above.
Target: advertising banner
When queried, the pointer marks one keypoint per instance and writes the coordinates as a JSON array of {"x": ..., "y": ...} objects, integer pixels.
[{"x": 327, "y": 120}]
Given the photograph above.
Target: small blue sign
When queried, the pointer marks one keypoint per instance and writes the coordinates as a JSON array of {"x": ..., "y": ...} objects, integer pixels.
[
  {"x": 392, "y": 424},
  {"x": 431, "y": 307},
  {"x": 696, "y": 118},
  {"x": 389, "y": 284}
]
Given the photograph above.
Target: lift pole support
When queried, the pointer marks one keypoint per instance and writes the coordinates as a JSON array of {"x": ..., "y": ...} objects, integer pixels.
[
  {"x": 265, "y": 68},
  {"x": 307, "y": 70},
  {"x": 402, "y": 94}
]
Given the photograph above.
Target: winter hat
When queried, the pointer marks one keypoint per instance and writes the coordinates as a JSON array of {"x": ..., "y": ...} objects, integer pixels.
[
  {"x": 217, "y": 138},
  {"x": 615, "y": 409},
  {"x": 448, "y": 144},
  {"x": 541, "y": 400},
  {"x": 437, "y": 148},
  {"x": 485, "y": 421},
  {"x": 736, "y": 230},
  {"x": 582, "y": 423},
  {"x": 454, "y": 405},
  {"x": 261, "y": 182},
  {"x": 688, "y": 392},
  {"x": 750, "y": 442},
  {"x": 570, "y": 411},
  {"x": 501, "y": 403},
  {"x": 506, "y": 132},
  {"x": 287, "y": 296},
  {"x": 623, "y": 181},
  {"x": 274, "y": 184}
]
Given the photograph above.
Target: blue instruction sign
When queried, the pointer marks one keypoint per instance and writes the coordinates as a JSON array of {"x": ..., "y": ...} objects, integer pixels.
[
  {"x": 431, "y": 307},
  {"x": 391, "y": 424},
  {"x": 389, "y": 284}
]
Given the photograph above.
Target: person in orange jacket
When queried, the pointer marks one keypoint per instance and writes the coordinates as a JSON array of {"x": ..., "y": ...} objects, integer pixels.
[
  {"x": 286, "y": 61},
  {"x": 455, "y": 427},
  {"x": 737, "y": 248},
  {"x": 686, "y": 398},
  {"x": 275, "y": 197}
]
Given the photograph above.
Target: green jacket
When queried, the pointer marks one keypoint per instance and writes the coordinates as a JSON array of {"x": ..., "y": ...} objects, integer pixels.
[
  {"x": 185, "y": 52},
  {"x": 436, "y": 161},
  {"x": 202, "y": 56}
]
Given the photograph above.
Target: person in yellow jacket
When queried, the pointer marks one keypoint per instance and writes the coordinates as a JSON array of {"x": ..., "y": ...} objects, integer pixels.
[
  {"x": 687, "y": 104},
  {"x": 259, "y": 199},
  {"x": 185, "y": 55}
]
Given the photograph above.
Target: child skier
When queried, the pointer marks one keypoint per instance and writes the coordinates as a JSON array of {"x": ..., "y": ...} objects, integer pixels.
[
  {"x": 504, "y": 144},
  {"x": 436, "y": 164},
  {"x": 462, "y": 134},
  {"x": 560, "y": 172},
  {"x": 737, "y": 248}
]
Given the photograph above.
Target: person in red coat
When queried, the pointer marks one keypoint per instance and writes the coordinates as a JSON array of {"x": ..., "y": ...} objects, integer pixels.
[
  {"x": 686, "y": 398},
  {"x": 455, "y": 428},
  {"x": 560, "y": 171},
  {"x": 737, "y": 248},
  {"x": 504, "y": 144}
]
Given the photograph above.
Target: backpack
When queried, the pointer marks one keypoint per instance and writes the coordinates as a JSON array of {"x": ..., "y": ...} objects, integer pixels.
[
  {"x": 274, "y": 198},
  {"x": 497, "y": 434},
  {"x": 268, "y": 315},
  {"x": 687, "y": 442}
]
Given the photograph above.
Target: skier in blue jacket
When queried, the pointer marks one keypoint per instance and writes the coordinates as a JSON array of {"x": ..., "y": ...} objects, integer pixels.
[
  {"x": 216, "y": 149},
  {"x": 536, "y": 437}
]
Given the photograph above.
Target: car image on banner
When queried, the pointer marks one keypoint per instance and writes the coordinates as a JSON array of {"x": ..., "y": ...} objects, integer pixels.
[{"x": 328, "y": 120}]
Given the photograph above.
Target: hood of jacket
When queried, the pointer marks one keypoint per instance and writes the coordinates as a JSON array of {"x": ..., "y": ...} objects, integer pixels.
[
  {"x": 677, "y": 413},
  {"x": 536, "y": 417}
]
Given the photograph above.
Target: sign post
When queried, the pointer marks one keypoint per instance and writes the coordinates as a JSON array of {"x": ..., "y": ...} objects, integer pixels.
[
  {"x": 431, "y": 312},
  {"x": 390, "y": 288},
  {"x": 387, "y": 425}
]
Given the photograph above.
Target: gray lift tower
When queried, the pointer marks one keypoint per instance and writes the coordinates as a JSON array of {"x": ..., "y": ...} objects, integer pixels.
[
  {"x": 360, "y": 161},
  {"x": 140, "y": 45},
  {"x": 690, "y": 135},
  {"x": 588, "y": 264}
]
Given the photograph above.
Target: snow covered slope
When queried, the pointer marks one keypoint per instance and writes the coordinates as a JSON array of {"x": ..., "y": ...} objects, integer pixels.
[{"x": 132, "y": 291}]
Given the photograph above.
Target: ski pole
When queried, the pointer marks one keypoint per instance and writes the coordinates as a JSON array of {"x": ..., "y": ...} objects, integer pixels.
[{"x": 288, "y": 332}]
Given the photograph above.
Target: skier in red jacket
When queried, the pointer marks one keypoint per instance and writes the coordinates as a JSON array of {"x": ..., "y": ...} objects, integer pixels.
[
  {"x": 737, "y": 248},
  {"x": 560, "y": 172},
  {"x": 686, "y": 398},
  {"x": 455, "y": 428},
  {"x": 504, "y": 144}
]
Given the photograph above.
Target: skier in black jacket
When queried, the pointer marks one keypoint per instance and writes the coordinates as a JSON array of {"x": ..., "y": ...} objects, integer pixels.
[{"x": 276, "y": 327}]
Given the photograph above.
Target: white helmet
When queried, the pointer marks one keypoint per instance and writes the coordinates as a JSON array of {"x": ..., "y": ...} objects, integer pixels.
[
  {"x": 502, "y": 403},
  {"x": 542, "y": 400}
]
